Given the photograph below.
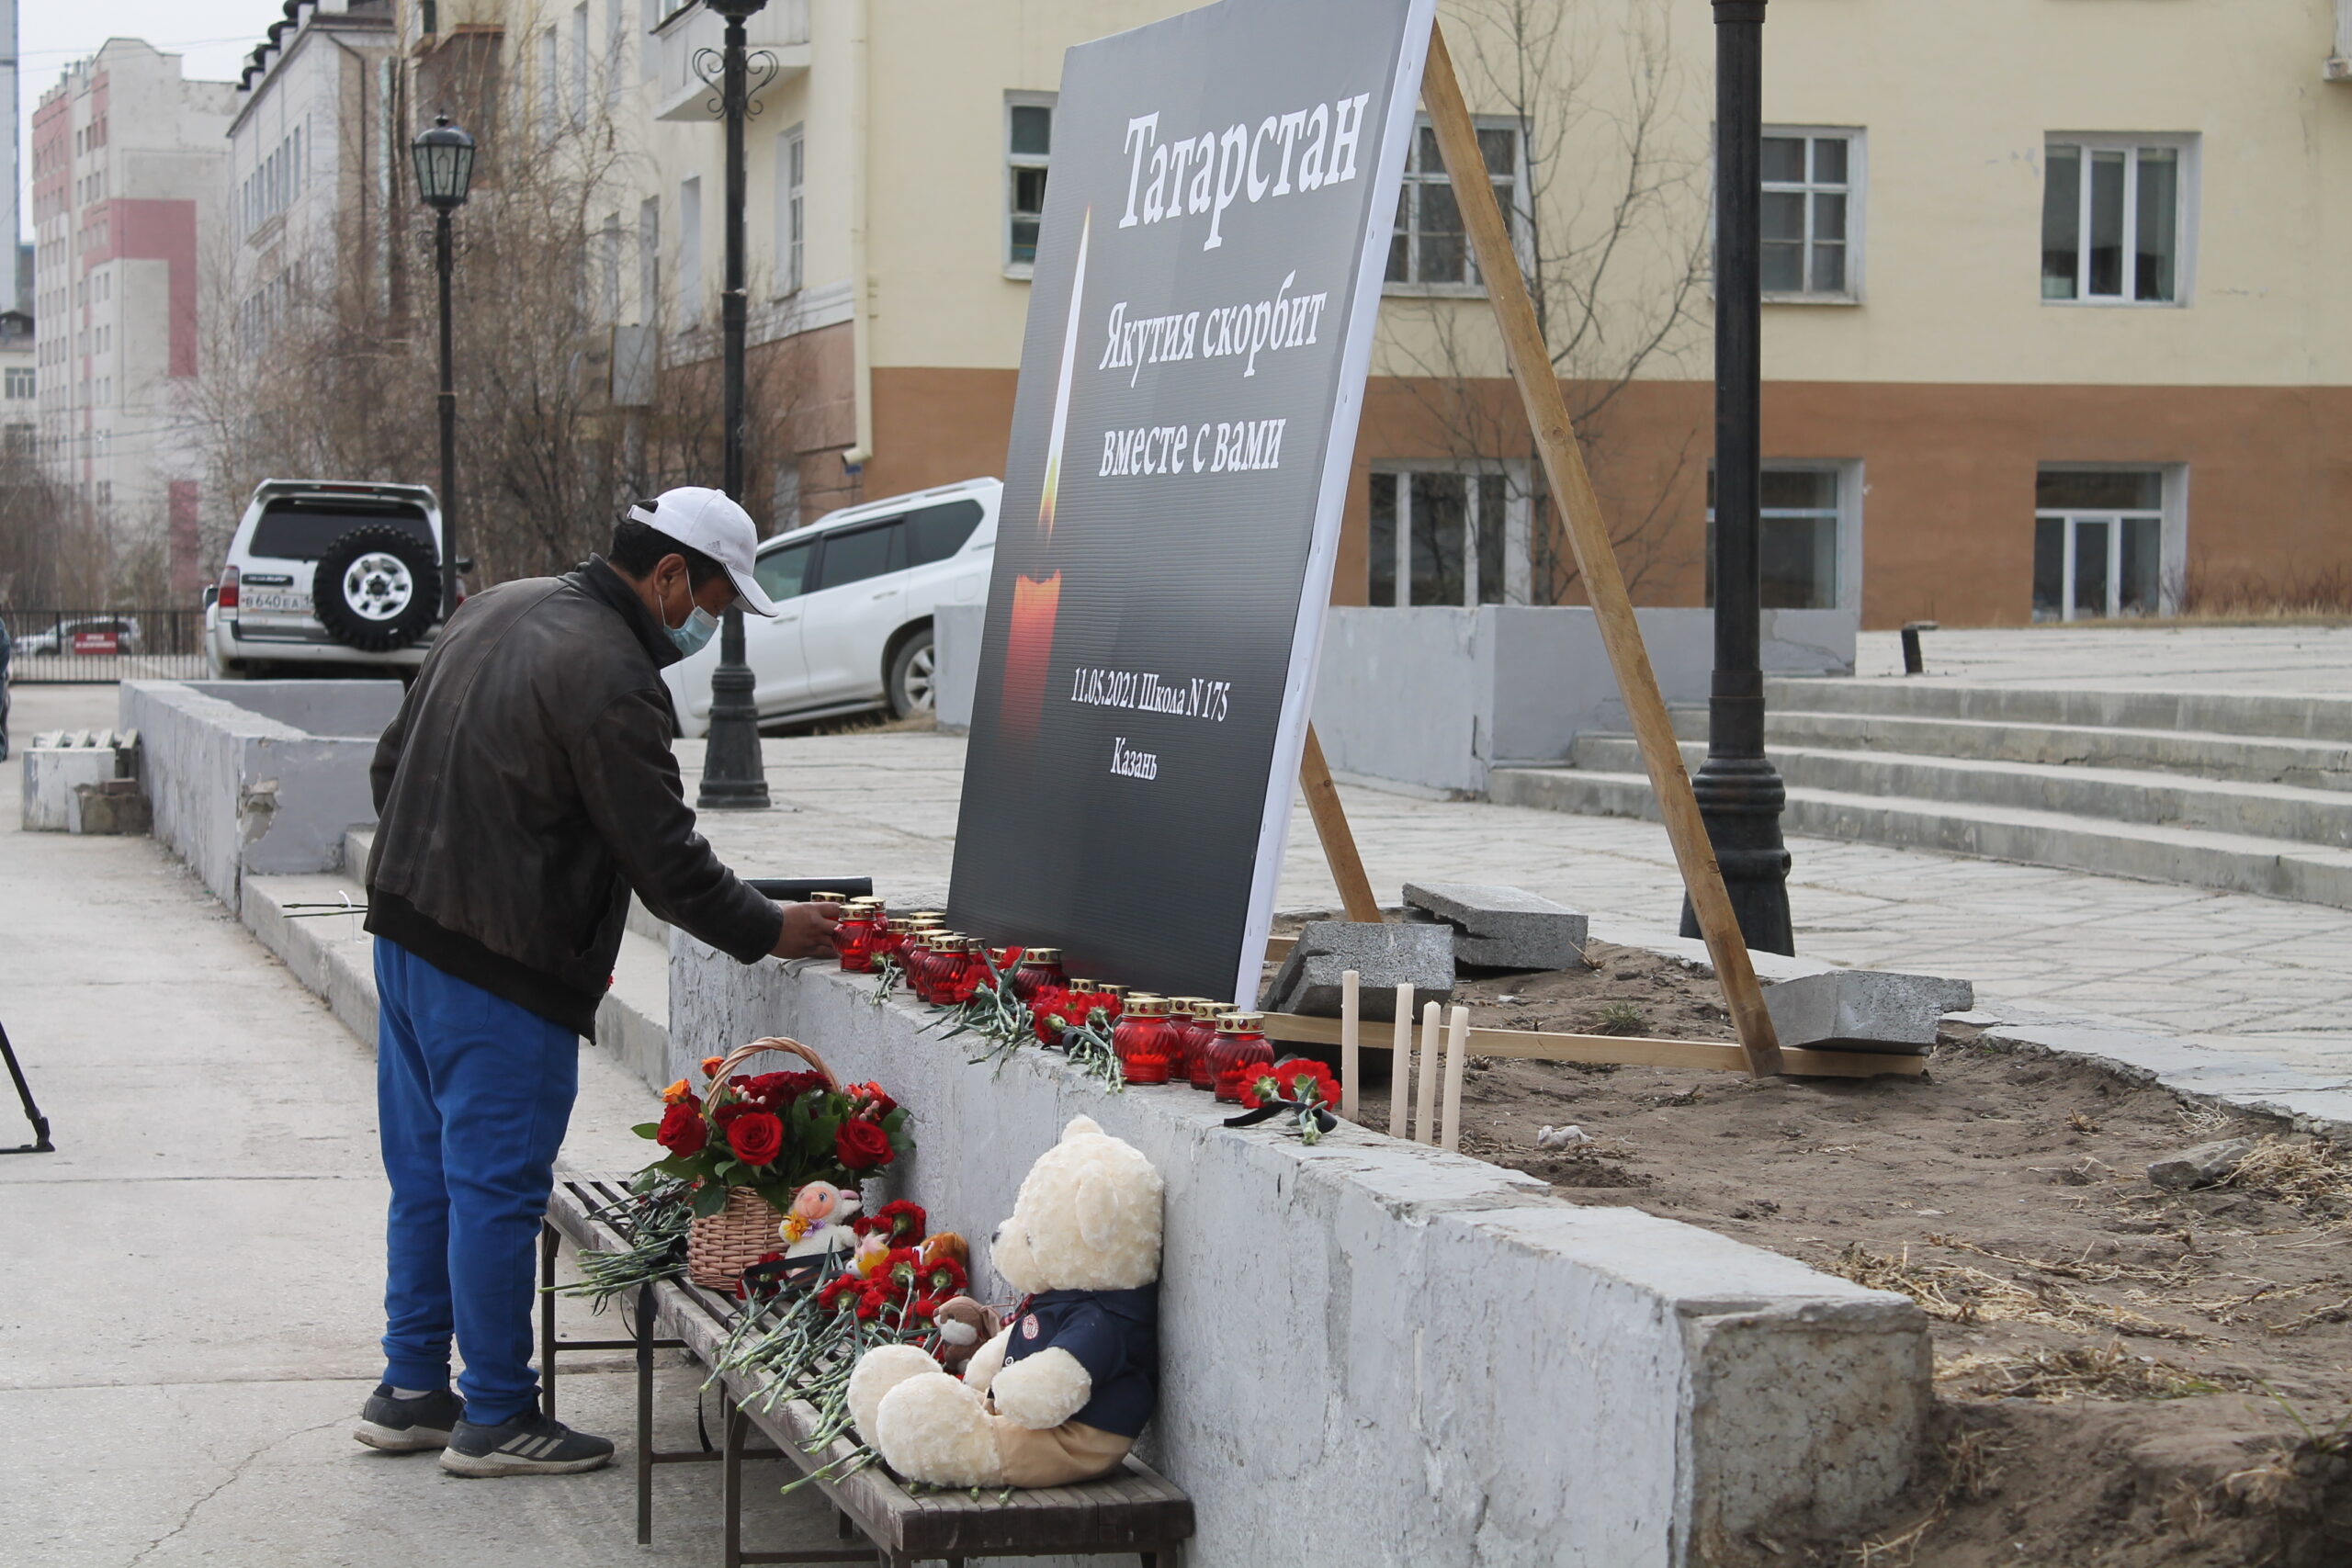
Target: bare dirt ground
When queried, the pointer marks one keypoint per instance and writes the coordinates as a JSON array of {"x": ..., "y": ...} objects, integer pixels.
[{"x": 2127, "y": 1376}]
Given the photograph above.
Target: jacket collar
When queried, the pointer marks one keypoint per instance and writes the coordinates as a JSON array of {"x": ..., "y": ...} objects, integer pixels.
[{"x": 597, "y": 580}]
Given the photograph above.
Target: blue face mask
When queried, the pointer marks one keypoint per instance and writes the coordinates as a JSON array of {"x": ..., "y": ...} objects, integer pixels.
[{"x": 695, "y": 635}]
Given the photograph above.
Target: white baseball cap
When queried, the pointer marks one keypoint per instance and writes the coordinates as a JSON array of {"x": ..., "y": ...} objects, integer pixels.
[{"x": 709, "y": 521}]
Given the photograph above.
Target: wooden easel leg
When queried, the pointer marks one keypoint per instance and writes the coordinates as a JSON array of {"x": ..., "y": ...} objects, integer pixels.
[
  {"x": 1339, "y": 839},
  {"x": 1579, "y": 509}
]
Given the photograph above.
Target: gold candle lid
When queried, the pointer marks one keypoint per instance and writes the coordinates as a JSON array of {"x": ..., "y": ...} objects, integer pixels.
[
  {"x": 1041, "y": 955},
  {"x": 1076, "y": 984},
  {"x": 1142, "y": 1004},
  {"x": 1109, "y": 988},
  {"x": 828, "y": 897},
  {"x": 1239, "y": 1022}
]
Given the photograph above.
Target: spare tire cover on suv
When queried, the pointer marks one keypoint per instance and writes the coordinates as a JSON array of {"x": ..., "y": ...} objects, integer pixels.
[{"x": 376, "y": 589}]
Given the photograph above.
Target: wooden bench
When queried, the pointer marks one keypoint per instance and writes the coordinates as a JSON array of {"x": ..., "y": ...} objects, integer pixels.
[{"x": 1137, "y": 1511}]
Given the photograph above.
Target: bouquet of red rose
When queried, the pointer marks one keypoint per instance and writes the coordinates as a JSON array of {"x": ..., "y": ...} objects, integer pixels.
[
  {"x": 1298, "y": 1087},
  {"x": 773, "y": 1133}
]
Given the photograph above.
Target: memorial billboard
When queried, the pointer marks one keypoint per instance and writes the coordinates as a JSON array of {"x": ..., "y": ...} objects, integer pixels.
[{"x": 1215, "y": 231}]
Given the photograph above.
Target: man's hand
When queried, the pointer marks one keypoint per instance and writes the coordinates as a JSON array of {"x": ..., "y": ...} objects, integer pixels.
[{"x": 808, "y": 930}]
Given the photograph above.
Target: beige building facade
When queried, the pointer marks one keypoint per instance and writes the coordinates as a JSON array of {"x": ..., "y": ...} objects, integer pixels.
[{"x": 2056, "y": 324}]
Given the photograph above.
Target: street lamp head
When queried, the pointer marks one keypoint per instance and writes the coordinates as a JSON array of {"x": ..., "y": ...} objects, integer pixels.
[
  {"x": 444, "y": 165},
  {"x": 735, "y": 10}
]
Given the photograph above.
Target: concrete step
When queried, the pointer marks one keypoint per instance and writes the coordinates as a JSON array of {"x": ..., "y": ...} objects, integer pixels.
[
  {"x": 2311, "y": 817},
  {"x": 2200, "y": 858},
  {"x": 335, "y": 959},
  {"x": 2306, "y": 765},
  {"x": 2294, "y": 717}
]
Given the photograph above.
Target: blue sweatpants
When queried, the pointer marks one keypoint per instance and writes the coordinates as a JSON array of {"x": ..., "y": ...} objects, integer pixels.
[{"x": 472, "y": 1095}]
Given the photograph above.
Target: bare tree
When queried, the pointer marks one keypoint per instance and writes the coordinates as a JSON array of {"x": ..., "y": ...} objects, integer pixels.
[
  {"x": 329, "y": 367},
  {"x": 1610, "y": 223}
]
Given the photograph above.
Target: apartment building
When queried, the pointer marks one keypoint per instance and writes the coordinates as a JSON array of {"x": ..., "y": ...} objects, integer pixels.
[
  {"x": 315, "y": 148},
  {"x": 128, "y": 159},
  {"x": 2054, "y": 326}
]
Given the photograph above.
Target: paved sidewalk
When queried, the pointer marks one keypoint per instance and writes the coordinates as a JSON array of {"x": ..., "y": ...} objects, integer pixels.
[
  {"x": 189, "y": 1290},
  {"x": 2244, "y": 973},
  {"x": 2119, "y": 655}
]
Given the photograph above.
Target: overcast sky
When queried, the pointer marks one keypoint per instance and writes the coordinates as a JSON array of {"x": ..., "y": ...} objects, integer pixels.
[{"x": 211, "y": 35}]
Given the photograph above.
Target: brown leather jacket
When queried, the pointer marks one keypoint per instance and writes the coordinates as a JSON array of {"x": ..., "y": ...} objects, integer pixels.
[{"x": 528, "y": 786}]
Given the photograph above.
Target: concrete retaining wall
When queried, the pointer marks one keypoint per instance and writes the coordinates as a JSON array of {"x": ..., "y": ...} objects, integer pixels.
[
  {"x": 1377, "y": 1353},
  {"x": 1438, "y": 698},
  {"x": 239, "y": 790}
]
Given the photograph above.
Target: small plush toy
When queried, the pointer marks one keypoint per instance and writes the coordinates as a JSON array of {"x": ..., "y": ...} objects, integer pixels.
[
  {"x": 817, "y": 1230},
  {"x": 964, "y": 1325},
  {"x": 1061, "y": 1392}
]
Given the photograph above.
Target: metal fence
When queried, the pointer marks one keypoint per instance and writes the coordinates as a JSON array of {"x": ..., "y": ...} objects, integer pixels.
[{"x": 100, "y": 647}]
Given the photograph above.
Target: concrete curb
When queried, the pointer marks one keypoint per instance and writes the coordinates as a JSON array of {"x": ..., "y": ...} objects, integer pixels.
[{"x": 1451, "y": 1360}]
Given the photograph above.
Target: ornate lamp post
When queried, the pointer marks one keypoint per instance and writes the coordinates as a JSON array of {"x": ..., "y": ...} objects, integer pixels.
[
  {"x": 1739, "y": 792},
  {"x": 445, "y": 168},
  {"x": 731, "y": 774}
]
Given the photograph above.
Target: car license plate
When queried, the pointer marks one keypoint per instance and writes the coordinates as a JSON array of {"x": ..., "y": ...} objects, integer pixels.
[{"x": 275, "y": 601}]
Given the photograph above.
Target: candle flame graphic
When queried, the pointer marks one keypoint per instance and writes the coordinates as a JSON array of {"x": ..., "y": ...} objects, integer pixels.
[{"x": 1037, "y": 601}]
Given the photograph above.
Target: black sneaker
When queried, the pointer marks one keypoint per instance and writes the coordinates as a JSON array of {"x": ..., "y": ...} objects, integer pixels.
[
  {"x": 405, "y": 1426},
  {"x": 528, "y": 1445}
]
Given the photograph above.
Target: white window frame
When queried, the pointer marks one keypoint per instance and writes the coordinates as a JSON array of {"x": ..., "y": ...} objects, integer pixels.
[
  {"x": 1857, "y": 184},
  {"x": 1016, "y": 160},
  {"x": 2185, "y": 145},
  {"x": 1851, "y": 490},
  {"x": 1518, "y": 511},
  {"x": 791, "y": 209},
  {"x": 1520, "y": 214},
  {"x": 2172, "y": 535}
]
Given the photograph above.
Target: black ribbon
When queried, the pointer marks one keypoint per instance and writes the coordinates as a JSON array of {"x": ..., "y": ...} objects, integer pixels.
[{"x": 1270, "y": 1109}]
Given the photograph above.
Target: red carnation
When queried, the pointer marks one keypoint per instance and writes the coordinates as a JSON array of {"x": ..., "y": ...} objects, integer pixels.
[
  {"x": 1321, "y": 1088},
  {"x": 903, "y": 1222},
  {"x": 861, "y": 1145},
  {"x": 946, "y": 1276},
  {"x": 756, "y": 1137},
  {"x": 838, "y": 1290},
  {"x": 682, "y": 1131}
]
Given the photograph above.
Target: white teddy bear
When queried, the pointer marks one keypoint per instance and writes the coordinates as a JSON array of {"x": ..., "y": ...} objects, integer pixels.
[{"x": 1062, "y": 1393}]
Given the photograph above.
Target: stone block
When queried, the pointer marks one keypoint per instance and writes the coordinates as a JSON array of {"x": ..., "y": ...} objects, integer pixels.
[
  {"x": 1501, "y": 928},
  {"x": 114, "y": 806},
  {"x": 54, "y": 772},
  {"x": 1384, "y": 956},
  {"x": 1864, "y": 1010},
  {"x": 2200, "y": 1166}
]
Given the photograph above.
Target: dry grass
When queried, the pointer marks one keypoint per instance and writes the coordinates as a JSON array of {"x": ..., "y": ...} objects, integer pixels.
[
  {"x": 1969, "y": 1475},
  {"x": 1622, "y": 1018},
  {"x": 1957, "y": 1293},
  {"x": 2321, "y": 594},
  {"x": 2098, "y": 1371},
  {"x": 2300, "y": 1172}
]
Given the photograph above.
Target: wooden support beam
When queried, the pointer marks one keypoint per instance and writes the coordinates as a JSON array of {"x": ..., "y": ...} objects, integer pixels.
[
  {"x": 1579, "y": 508},
  {"x": 1545, "y": 1046},
  {"x": 1339, "y": 839}
]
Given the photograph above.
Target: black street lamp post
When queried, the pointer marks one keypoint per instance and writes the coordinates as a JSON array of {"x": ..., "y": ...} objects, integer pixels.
[
  {"x": 445, "y": 169},
  {"x": 732, "y": 774},
  {"x": 1740, "y": 792}
]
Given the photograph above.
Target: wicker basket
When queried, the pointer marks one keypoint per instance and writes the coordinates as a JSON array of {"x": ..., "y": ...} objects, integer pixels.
[{"x": 720, "y": 1246}]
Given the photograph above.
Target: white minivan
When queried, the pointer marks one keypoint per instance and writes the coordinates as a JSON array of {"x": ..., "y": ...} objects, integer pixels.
[
  {"x": 325, "y": 573},
  {"x": 854, "y": 593}
]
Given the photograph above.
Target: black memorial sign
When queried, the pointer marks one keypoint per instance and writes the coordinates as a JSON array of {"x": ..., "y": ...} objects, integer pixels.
[{"x": 1207, "y": 278}]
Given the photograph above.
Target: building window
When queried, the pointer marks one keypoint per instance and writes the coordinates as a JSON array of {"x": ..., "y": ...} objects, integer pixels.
[
  {"x": 648, "y": 260},
  {"x": 690, "y": 250},
  {"x": 2099, "y": 543},
  {"x": 1809, "y": 539},
  {"x": 2115, "y": 220},
  {"x": 608, "y": 269},
  {"x": 1443, "y": 534},
  {"x": 1028, "y": 147},
  {"x": 1811, "y": 181},
  {"x": 790, "y": 227},
  {"x": 549, "y": 84},
  {"x": 616, "y": 49},
  {"x": 1429, "y": 249},
  {"x": 579, "y": 63},
  {"x": 649, "y": 59},
  {"x": 19, "y": 382}
]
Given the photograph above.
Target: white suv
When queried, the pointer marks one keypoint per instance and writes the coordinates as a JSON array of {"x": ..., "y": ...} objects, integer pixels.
[
  {"x": 854, "y": 593},
  {"x": 325, "y": 572}
]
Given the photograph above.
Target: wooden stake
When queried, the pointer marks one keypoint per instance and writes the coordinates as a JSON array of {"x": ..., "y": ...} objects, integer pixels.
[
  {"x": 1425, "y": 1096},
  {"x": 1579, "y": 509},
  {"x": 1338, "y": 839},
  {"x": 1457, "y": 1036},
  {"x": 1400, "y": 1067},
  {"x": 1351, "y": 1029}
]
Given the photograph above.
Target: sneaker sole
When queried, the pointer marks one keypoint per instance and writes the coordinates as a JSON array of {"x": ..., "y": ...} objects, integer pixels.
[
  {"x": 482, "y": 1466},
  {"x": 399, "y": 1439}
]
